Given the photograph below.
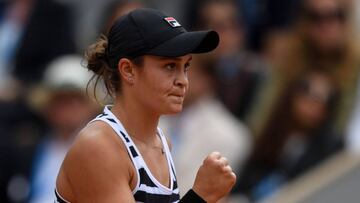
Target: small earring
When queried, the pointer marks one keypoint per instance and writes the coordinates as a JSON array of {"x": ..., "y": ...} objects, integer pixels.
[{"x": 131, "y": 81}]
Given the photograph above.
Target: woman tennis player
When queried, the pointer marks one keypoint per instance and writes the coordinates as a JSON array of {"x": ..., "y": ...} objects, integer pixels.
[{"x": 122, "y": 156}]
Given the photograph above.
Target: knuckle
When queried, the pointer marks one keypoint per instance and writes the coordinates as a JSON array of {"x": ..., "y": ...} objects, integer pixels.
[
  {"x": 207, "y": 160},
  {"x": 213, "y": 163},
  {"x": 227, "y": 169},
  {"x": 215, "y": 155},
  {"x": 219, "y": 165},
  {"x": 224, "y": 161},
  {"x": 222, "y": 165},
  {"x": 231, "y": 177}
]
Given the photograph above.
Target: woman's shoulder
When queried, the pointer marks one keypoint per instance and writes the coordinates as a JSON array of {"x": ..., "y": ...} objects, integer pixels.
[
  {"x": 97, "y": 161},
  {"x": 97, "y": 148},
  {"x": 98, "y": 138}
]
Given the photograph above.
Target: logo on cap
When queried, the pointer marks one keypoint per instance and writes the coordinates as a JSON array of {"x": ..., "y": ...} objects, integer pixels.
[{"x": 172, "y": 22}]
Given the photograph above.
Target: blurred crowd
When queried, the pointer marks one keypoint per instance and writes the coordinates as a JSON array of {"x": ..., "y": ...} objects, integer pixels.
[{"x": 280, "y": 95}]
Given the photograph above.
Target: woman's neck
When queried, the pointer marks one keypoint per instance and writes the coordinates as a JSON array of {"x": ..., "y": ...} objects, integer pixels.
[{"x": 138, "y": 121}]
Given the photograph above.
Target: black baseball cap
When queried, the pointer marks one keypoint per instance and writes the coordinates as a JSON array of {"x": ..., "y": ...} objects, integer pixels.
[{"x": 148, "y": 31}]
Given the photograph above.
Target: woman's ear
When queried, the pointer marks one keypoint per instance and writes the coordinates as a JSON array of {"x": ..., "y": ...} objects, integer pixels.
[{"x": 127, "y": 70}]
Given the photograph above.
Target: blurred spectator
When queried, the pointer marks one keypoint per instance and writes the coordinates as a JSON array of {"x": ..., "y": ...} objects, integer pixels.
[
  {"x": 205, "y": 125},
  {"x": 67, "y": 109},
  {"x": 308, "y": 48},
  {"x": 239, "y": 72},
  {"x": 299, "y": 136},
  {"x": 32, "y": 33},
  {"x": 319, "y": 49}
]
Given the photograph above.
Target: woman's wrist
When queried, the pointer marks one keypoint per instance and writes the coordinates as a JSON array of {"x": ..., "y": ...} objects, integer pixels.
[{"x": 192, "y": 197}]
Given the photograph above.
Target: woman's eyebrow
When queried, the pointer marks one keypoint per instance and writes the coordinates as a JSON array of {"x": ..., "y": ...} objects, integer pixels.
[
  {"x": 190, "y": 58},
  {"x": 169, "y": 58}
]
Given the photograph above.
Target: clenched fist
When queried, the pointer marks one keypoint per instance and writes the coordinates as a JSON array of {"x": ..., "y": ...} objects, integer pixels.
[{"x": 214, "y": 178}]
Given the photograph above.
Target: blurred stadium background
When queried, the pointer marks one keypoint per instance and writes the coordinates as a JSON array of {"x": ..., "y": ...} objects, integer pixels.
[{"x": 280, "y": 97}]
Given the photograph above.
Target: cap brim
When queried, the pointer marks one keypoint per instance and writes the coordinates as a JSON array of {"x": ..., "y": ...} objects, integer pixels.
[{"x": 186, "y": 43}]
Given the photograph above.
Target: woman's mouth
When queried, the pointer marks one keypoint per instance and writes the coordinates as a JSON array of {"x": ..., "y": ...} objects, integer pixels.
[{"x": 177, "y": 97}]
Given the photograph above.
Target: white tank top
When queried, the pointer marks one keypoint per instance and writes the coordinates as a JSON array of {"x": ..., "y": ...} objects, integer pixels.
[{"x": 148, "y": 189}]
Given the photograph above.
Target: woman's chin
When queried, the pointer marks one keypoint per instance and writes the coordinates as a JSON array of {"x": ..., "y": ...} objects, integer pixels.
[{"x": 174, "y": 109}]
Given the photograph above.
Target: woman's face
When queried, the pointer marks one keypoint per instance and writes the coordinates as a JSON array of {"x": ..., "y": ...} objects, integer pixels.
[
  {"x": 66, "y": 111},
  {"x": 310, "y": 106},
  {"x": 222, "y": 17},
  {"x": 326, "y": 22},
  {"x": 162, "y": 82}
]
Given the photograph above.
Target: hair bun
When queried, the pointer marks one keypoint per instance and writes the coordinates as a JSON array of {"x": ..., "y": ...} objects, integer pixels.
[{"x": 96, "y": 56}]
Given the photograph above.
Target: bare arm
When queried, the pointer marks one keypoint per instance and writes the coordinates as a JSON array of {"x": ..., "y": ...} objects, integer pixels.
[{"x": 97, "y": 169}]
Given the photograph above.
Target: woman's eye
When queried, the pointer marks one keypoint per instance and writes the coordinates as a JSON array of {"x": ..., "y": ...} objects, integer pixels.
[
  {"x": 187, "y": 66},
  {"x": 170, "y": 66}
]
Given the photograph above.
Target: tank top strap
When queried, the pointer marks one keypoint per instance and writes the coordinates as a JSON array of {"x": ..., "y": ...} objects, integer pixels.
[
  {"x": 166, "y": 146},
  {"x": 169, "y": 157},
  {"x": 108, "y": 117}
]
